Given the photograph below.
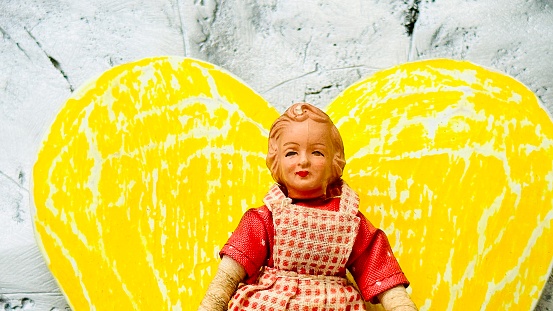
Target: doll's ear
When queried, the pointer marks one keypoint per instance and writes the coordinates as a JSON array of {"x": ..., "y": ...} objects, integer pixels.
[
  {"x": 143, "y": 174},
  {"x": 447, "y": 158}
]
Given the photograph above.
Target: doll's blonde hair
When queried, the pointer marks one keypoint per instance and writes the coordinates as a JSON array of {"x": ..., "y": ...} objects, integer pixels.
[{"x": 300, "y": 112}]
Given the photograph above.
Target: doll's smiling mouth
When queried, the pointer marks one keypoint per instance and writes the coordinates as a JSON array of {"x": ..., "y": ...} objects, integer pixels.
[{"x": 302, "y": 173}]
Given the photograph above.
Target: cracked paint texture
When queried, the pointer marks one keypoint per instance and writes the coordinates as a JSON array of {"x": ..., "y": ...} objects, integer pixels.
[
  {"x": 147, "y": 170},
  {"x": 284, "y": 49}
]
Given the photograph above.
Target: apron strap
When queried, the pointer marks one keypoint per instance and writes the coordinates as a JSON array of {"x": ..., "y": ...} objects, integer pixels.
[
  {"x": 274, "y": 196},
  {"x": 349, "y": 201}
]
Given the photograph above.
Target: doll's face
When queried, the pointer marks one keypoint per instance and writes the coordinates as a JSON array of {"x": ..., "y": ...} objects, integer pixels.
[{"x": 305, "y": 156}]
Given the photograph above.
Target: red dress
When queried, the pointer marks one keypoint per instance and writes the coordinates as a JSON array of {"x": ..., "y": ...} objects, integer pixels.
[{"x": 304, "y": 252}]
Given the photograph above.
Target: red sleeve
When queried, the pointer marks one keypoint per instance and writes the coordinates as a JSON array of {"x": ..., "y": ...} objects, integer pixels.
[
  {"x": 250, "y": 244},
  {"x": 372, "y": 262}
]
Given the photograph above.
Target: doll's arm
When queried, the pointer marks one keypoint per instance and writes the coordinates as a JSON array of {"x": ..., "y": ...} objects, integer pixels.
[
  {"x": 397, "y": 299},
  {"x": 223, "y": 285}
]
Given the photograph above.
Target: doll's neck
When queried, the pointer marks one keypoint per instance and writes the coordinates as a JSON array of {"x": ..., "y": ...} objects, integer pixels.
[{"x": 313, "y": 201}]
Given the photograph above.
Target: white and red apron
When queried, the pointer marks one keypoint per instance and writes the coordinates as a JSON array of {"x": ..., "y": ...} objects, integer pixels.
[{"x": 311, "y": 249}]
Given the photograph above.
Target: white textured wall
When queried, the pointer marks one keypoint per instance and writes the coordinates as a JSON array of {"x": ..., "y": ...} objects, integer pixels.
[{"x": 287, "y": 50}]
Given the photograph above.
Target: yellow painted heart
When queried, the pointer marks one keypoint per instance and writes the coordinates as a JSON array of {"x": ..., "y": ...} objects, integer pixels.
[{"x": 149, "y": 167}]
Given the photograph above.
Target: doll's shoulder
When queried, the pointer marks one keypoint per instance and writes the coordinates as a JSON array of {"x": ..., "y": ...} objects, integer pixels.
[
  {"x": 365, "y": 225},
  {"x": 259, "y": 214}
]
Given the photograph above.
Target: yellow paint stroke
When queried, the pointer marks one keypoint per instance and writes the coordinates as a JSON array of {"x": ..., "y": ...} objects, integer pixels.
[
  {"x": 148, "y": 168},
  {"x": 454, "y": 162},
  {"x": 143, "y": 174}
]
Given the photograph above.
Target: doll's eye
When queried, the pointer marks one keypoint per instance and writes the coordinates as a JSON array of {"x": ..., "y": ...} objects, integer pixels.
[
  {"x": 290, "y": 153},
  {"x": 318, "y": 153}
]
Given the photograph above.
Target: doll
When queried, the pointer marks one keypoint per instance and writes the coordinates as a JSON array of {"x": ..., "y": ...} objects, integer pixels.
[{"x": 293, "y": 252}]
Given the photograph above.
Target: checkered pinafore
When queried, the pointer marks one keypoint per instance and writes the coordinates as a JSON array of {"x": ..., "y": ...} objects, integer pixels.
[{"x": 311, "y": 249}]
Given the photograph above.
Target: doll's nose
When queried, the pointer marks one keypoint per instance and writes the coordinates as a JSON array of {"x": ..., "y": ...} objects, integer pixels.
[{"x": 303, "y": 161}]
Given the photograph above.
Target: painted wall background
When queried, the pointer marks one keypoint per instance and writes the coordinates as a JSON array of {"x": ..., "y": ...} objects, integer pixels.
[{"x": 286, "y": 50}]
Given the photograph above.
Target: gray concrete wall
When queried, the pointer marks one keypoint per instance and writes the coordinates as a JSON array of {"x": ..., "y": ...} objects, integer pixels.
[{"x": 286, "y": 50}]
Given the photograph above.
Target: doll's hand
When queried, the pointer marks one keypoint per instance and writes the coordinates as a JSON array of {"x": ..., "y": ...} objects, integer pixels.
[
  {"x": 397, "y": 299},
  {"x": 223, "y": 286}
]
